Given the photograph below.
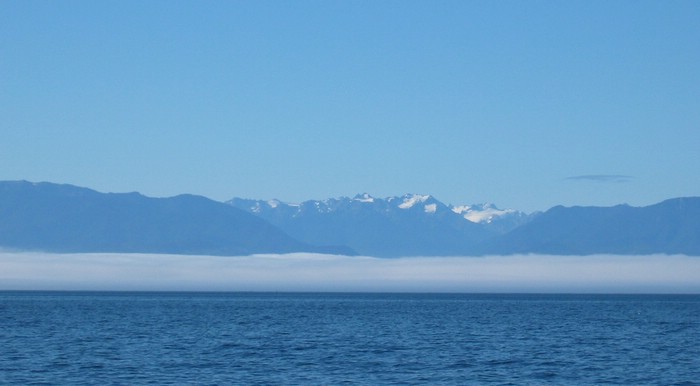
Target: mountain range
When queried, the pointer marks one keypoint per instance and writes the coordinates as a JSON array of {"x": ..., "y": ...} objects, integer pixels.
[
  {"x": 410, "y": 225},
  {"x": 670, "y": 227},
  {"x": 64, "y": 218}
]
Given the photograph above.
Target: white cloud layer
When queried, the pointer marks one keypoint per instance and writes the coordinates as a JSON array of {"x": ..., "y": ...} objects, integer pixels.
[{"x": 314, "y": 272}]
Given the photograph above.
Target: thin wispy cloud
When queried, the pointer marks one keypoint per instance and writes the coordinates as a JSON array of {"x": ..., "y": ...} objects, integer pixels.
[
  {"x": 614, "y": 178},
  {"x": 313, "y": 272}
]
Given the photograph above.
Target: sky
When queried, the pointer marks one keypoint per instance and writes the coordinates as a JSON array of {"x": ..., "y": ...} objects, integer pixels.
[
  {"x": 525, "y": 104},
  {"x": 329, "y": 273}
]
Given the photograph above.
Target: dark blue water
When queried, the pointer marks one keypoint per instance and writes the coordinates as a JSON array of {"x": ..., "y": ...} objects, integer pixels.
[{"x": 195, "y": 338}]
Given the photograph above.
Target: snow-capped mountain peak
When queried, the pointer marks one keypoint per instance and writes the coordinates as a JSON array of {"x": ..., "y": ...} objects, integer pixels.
[
  {"x": 481, "y": 213},
  {"x": 411, "y": 205},
  {"x": 364, "y": 197},
  {"x": 427, "y": 202},
  {"x": 410, "y": 200}
]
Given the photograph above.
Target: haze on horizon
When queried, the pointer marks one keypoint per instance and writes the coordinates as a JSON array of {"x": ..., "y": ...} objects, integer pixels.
[
  {"x": 524, "y": 104},
  {"x": 329, "y": 273}
]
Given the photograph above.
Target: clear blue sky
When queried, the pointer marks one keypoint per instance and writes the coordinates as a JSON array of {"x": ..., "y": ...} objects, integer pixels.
[{"x": 499, "y": 101}]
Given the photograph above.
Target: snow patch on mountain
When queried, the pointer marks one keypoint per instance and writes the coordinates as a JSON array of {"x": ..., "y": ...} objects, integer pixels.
[
  {"x": 410, "y": 200},
  {"x": 364, "y": 197},
  {"x": 499, "y": 220},
  {"x": 482, "y": 213}
]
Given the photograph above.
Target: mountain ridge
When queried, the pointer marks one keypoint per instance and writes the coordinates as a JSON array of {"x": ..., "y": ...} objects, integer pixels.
[
  {"x": 671, "y": 226},
  {"x": 65, "y": 218},
  {"x": 408, "y": 225}
]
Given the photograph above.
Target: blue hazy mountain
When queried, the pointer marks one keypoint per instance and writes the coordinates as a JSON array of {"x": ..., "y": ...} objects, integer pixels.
[
  {"x": 421, "y": 225},
  {"x": 411, "y": 225},
  {"x": 66, "y": 218},
  {"x": 670, "y": 227}
]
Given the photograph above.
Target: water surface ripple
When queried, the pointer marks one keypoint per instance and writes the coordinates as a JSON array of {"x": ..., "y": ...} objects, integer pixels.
[{"x": 258, "y": 338}]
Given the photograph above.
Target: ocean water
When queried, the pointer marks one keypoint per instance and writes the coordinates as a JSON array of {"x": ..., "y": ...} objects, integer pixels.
[{"x": 329, "y": 339}]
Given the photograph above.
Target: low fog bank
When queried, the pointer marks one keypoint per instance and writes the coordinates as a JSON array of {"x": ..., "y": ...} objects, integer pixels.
[{"x": 314, "y": 272}]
